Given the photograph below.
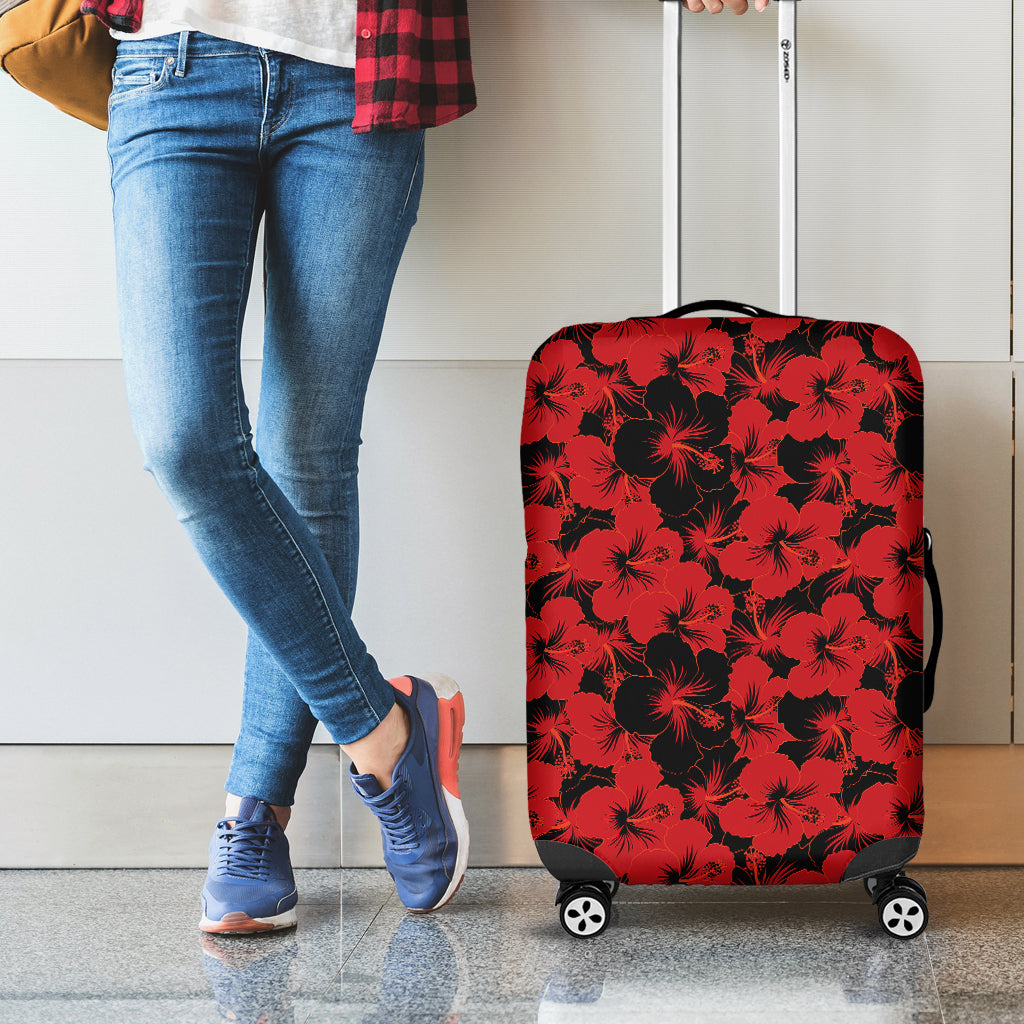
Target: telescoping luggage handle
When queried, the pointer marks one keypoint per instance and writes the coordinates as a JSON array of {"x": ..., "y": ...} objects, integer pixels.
[{"x": 671, "y": 92}]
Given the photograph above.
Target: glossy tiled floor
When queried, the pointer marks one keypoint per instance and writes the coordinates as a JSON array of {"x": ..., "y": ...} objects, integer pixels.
[{"x": 122, "y": 946}]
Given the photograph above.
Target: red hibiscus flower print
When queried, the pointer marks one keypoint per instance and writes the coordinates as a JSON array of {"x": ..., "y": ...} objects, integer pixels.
[
  {"x": 543, "y": 523},
  {"x": 831, "y": 391},
  {"x": 597, "y": 482},
  {"x": 559, "y": 645},
  {"x": 615, "y": 396},
  {"x": 757, "y": 628},
  {"x": 908, "y": 805},
  {"x": 900, "y": 393},
  {"x": 886, "y": 477},
  {"x": 851, "y": 573},
  {"x": 756, "y": 372},
  {"x": 897, "y": 562},
  {"x": 830, "y": 387},
  {"x": 754, "y": 438},
  {"x": 880, "y": 735},
  {"x": 688, "y": 856},
  {"x": 679, "y": 448},
  {"x": 687, "y": 605},
  {"x": 630, "y": 560},
  {"x": 892, "y": 349},
  {"x": 770, "y": 331},
  {"x": 558, "y": 823},
  {"x": 610, "y": 339},
  {"x": 872, "y": 817},
  {"x": 723, "y": 595},
  {"x": 543, "y": 788},
  {"x": 616, "y": 654},
  {"x": 599, "y": 739},
  {"x": 754, "y": 700},
  {"x": 543, "y": 558},
  {"x": 711, "y": 781},
  {"x": 784, "y": 803},
  {"x": 794, "y": 868},
  {"x": 558, "y": 574},
  {"x": 898, "y": 645},
  {"x": 557, "y": 386},
  {"x": 624, "y": 822},
  {"x": 784, "y": 546},
  {"x": 628, "y": 817},
  {"x": 708, "y": 528},
  {"x": 832, "y": 647},
  {"x": 689, "y": 350}
]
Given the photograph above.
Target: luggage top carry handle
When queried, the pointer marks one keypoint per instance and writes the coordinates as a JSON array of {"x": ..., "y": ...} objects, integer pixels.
[{"x": 733, "y": 307}]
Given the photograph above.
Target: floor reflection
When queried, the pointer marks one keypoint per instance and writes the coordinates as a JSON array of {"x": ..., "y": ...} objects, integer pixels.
[{"x": 251, "y": 976}]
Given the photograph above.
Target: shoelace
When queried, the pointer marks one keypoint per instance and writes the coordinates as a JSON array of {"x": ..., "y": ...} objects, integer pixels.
[
  {"x": 244, "y": 849},
  {"x": 396, "y": 820}
]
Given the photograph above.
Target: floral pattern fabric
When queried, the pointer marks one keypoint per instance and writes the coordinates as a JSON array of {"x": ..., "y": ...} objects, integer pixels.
[{"x": 724, "y": 595}]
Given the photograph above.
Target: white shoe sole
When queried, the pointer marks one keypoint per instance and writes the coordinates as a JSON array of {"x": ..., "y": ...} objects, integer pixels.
[
  {"x": 240, "y": 923},
  {"x": 447, "y": 689}
]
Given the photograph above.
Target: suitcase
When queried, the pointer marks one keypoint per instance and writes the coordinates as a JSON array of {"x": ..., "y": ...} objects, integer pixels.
[{"x": 724, "y": 600}]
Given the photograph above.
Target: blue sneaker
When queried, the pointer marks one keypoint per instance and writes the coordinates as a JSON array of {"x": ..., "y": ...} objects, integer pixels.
[
  {"x": 424, "y": 828},
  {"x": 249, "y": 886}
]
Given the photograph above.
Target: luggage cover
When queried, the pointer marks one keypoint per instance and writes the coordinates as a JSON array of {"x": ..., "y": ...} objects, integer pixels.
[{"x": 724, "y": 595}]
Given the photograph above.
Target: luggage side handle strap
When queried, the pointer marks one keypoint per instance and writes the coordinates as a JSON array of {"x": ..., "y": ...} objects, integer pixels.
[
  {"x": 933, "y": 587},
  {"x": 734, "y": 307}
]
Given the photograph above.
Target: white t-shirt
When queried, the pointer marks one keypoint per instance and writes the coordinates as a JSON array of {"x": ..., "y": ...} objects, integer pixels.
[{"x": 320, "y": 30}]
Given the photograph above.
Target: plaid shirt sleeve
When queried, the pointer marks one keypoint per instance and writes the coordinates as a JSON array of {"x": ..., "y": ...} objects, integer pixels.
[
  {"x": 413, "y": 68},
  {"x": 120, "y": 15}
]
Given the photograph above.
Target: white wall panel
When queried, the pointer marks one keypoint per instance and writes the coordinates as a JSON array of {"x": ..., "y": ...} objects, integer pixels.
[
  {"x": 57, "y": 260},
  {"x": 968, "y": 506},
  {"x": 111, "y": 629},
  {"x": 543, "y": 206},
  {"x": 1018, "y": 346},
  {"x": 903, "y": 167}
]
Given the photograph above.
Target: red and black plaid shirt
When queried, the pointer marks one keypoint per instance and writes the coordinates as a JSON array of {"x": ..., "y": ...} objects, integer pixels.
[{"x": 412, "y": 59}]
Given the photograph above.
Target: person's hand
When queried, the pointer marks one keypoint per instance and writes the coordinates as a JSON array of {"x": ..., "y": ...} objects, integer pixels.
[{"x": 717, "y": 6}]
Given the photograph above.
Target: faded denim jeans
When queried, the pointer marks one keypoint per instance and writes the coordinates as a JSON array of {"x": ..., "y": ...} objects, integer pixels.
[{"x": 206, "y": 136}]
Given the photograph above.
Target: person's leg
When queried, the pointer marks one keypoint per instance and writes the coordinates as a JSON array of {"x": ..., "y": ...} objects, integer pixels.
[
  {"x": 188, "y": 165},
  {"x": 188, "y": 157},
  {"x": 189, "y": 139},
  {"x": 339, "y": 209}
]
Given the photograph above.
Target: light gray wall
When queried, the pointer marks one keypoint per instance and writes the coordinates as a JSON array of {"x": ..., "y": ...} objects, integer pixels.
[{"x": 541, "y": 208}]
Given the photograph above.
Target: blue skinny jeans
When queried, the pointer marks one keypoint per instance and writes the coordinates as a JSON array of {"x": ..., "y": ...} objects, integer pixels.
[{"x": 205, "y": 136}]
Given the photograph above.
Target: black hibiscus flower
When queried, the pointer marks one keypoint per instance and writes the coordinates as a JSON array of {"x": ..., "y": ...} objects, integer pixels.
[
  {"x": 679, "y": 447},
  {"x": 820, "y": 470},
  {"x": 820, "y": 727},
  {"x": 682, "y": 702}
]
